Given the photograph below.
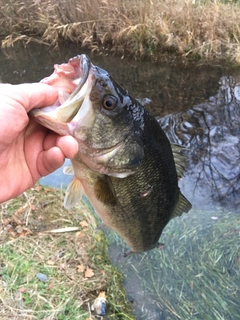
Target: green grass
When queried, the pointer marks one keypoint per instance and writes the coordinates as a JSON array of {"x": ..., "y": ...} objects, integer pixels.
[{"x": 68, "y": 293}]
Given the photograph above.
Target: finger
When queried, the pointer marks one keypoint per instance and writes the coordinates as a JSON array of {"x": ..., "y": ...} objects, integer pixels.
[
  {"x": 50, "y": 140},
  {"x": 35, "y": 95},
  {"x": 68, "y": 145},
  {"x": 50, "y": 160}
]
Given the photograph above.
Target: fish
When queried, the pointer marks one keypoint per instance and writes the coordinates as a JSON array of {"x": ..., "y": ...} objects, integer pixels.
[{"x": 125, "y": 165}]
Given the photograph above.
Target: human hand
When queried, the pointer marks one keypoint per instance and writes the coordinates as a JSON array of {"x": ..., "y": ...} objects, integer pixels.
[{"x": 28, "y": 151}]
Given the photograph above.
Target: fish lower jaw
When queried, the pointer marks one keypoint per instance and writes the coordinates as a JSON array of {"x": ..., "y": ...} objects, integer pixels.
[
  {"x": 158, "y": 245},
  {"x": 51, "y": 122}
]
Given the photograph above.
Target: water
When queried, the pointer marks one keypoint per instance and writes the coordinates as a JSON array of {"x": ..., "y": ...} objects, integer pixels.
[{"x": 196, "y": 275}]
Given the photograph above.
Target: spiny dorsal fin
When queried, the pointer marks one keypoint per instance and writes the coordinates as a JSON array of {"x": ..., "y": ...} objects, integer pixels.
[
  {"x": 183, "y": 205},
  {"x": 73, "y": 194},
  {"x": 179, "y": 158},
  {"x": 68, "y": 170}
]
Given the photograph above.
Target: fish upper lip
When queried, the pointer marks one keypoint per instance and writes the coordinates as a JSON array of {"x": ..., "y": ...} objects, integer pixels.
[
  {"x": 76, "y": 98},
  {"x": 85, "y": 65}
]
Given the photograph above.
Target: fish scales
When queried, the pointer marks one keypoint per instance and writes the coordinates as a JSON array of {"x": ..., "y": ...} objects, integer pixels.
[
  {"x": 140, "y": 219},
  {"x": 125, "y": 164}
]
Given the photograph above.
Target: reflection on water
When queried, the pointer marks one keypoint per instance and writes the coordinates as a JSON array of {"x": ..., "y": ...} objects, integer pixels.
[
  {"x": 171, "y": 88},
  {"x": 211, "y": 131},
  {"x": 196, "y": 275}
]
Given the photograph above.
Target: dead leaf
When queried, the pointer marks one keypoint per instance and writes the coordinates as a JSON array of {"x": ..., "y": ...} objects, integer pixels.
[
  {"x": 19, "y": 211},
  {"x": 80, "y": 234},
  {"x": 25, "y": 232},
  {"x": 6, "y": 221},
  {"x": 16, "y": 220},
  {"x": 38, "y": 188},
  {"x": 89, "y": 273},
  {"x": 80, "y": 268},
  {"x": 32, "y": 207},
  {"x": 102, "y": 294},
  {"x": 62, "y": 266},
  {"x": 51, "y": 286},
  {"x": 83, "y": 223}
]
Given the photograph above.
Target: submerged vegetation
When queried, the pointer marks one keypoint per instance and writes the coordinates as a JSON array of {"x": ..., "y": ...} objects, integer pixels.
[
  {"x": 207, "y": 29},
  {"x": 196, "y": 275}
]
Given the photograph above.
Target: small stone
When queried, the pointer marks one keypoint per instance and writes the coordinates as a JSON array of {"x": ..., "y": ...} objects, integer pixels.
[{"x": 42, "y": 277}]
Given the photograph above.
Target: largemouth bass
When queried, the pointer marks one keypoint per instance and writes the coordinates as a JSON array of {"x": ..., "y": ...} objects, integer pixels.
[{"x": 125, "y": 164}]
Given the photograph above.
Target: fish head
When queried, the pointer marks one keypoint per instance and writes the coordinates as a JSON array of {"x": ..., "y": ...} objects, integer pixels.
[{"x": 105, "y": 120}]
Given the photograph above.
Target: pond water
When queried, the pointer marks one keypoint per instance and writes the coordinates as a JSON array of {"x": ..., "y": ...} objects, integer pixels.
[{"x": 197, "y": 274}]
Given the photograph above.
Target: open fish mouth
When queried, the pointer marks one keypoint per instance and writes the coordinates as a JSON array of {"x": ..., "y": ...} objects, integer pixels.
[
  {"x": 72, "y": 81},
  {"x": 76, "y": 98}
]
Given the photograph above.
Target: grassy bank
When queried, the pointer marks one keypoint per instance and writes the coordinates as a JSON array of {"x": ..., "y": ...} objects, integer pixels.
[
  {"x": 200, "y": 29},
  {"x": 34, "y": 240}
]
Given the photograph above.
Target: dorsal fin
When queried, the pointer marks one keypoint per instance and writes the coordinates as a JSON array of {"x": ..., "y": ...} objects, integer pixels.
[
  {"x": 183, "y": 205},
  {"x": 179, "y": 158}
]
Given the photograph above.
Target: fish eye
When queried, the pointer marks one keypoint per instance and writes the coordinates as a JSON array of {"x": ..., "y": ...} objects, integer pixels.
[{"x": 109, "y": 102}]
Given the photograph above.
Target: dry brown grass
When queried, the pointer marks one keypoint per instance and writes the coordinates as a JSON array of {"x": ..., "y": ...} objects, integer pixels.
[{"x": 209, "y": 29}]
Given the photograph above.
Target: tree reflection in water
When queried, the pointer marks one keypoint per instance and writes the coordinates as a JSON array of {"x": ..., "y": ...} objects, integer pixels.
[{"x": 211, "y": 131}]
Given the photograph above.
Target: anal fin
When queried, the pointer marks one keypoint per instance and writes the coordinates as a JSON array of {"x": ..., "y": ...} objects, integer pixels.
[{"x": 73, "y": 194}]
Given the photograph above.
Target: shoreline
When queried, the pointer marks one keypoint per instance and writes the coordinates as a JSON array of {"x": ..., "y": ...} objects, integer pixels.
[{"x": 189, "y": 30}]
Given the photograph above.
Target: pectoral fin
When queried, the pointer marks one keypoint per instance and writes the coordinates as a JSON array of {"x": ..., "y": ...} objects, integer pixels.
[
  {"x": 104, "y": 191},
  {"x": 73, "y": 194},
  {"x": 68, "y": 170}
]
